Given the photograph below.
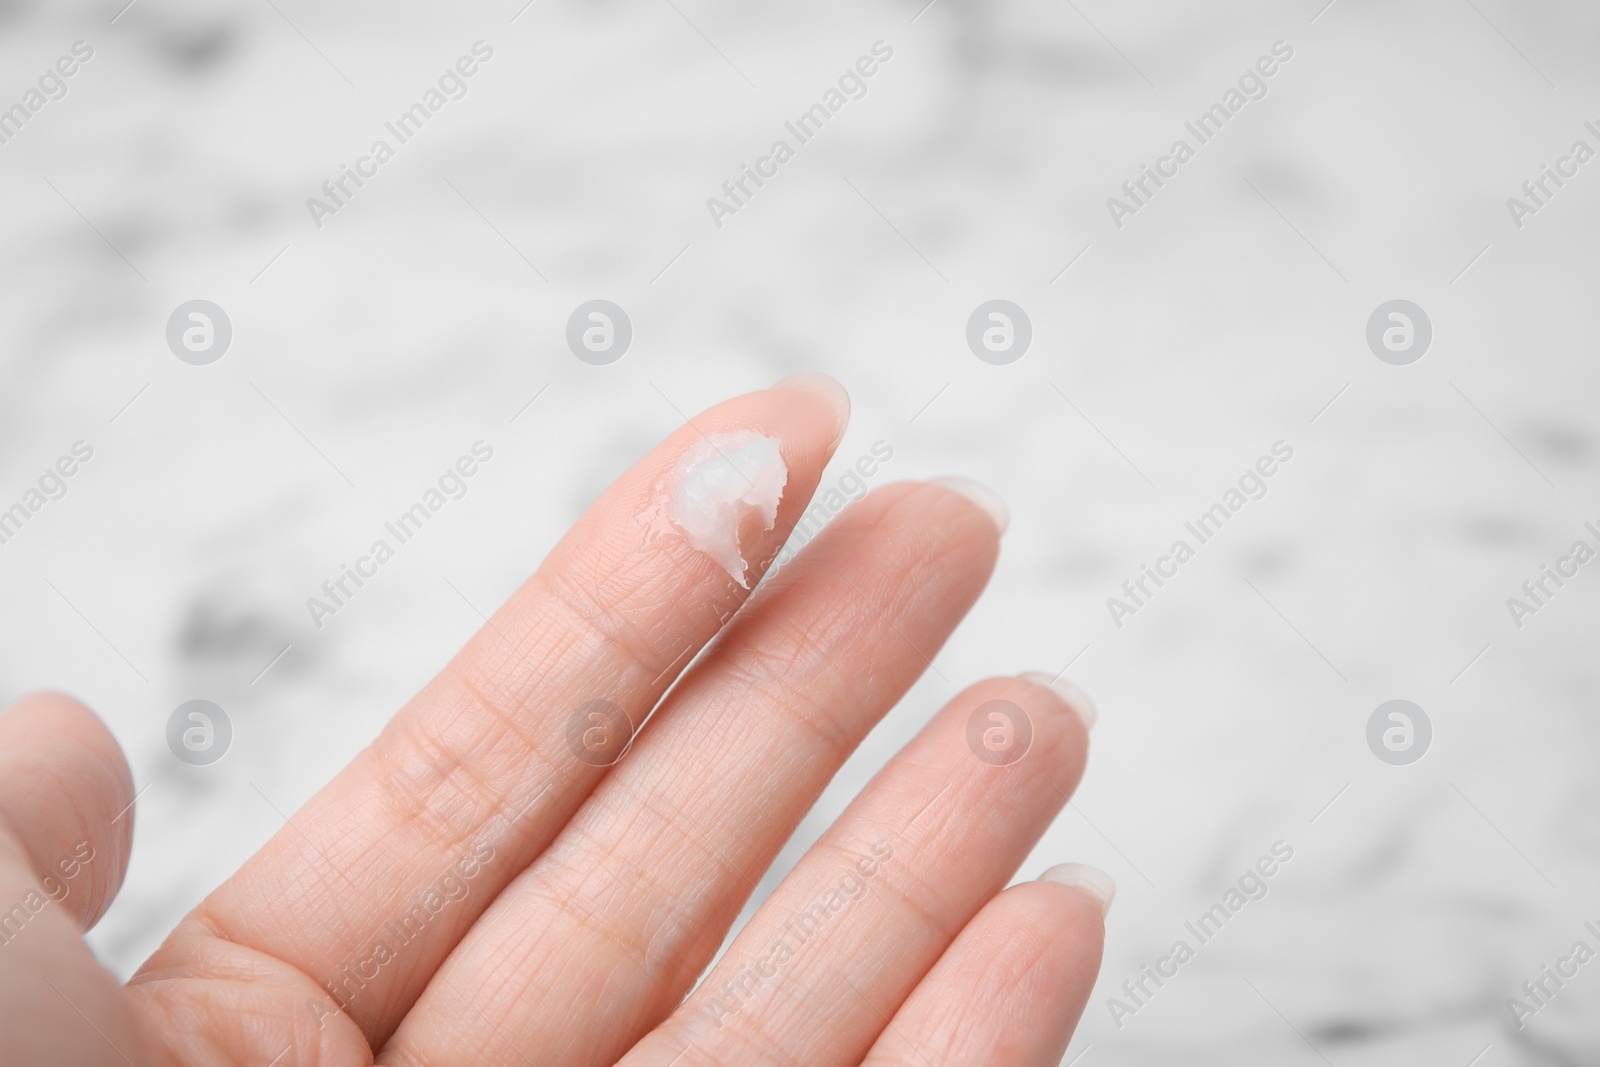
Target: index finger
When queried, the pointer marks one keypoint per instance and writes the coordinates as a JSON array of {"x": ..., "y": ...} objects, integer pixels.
[{"x": 380, "y": 874}]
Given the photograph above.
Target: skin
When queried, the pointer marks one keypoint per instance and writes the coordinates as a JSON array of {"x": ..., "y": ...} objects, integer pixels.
[{"x": 568, "y": 908}]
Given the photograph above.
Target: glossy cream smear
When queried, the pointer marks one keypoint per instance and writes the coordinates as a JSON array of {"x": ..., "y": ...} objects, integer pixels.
[{"x": 721, "y": 482}]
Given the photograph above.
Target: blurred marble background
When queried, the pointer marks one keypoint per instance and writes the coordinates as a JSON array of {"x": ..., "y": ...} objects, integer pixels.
[{"x": 1230, "y": 312}]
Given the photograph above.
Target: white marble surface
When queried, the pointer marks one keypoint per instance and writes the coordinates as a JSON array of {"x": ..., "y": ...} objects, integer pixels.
[{"x": 1221, "y": 318}]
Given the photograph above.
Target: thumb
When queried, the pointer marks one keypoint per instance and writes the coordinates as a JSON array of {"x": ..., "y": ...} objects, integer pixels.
[
  {"x": 64, "y": 837},
  {"x": 66, "y": 796}
]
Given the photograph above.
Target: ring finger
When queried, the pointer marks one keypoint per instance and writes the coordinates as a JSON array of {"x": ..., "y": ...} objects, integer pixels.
[{"x": 830, "y": 958}]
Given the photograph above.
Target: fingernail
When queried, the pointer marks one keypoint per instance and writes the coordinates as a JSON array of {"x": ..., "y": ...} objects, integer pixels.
[
  {"x": 1080, "y": 702},
  {"x": 979, "y": 494},
  {"x": 814, "y": 382},
  {"x": 1097, "y": 882}
]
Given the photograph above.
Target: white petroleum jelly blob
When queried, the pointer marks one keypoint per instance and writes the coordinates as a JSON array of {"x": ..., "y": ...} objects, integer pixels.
[{"x": 720, "y": 481}]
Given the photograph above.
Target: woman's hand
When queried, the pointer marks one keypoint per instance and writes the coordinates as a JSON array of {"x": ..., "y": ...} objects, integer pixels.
[{"x": 501, "y": 878}]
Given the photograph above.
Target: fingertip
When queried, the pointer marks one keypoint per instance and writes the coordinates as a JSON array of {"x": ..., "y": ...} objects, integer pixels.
[
  {"x": 1075, "y": 697},
  {"x": 66, "y": 791},
  {"x": 51, "y": 715},
  {"x": 987, "y": 499},
  {"x": 829, "y": 388},
  {"x": 1097, "y": 883}
]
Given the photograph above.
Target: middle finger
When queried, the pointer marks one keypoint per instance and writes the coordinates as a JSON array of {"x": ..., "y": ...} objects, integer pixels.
[{"x": 598, "y": 940}]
